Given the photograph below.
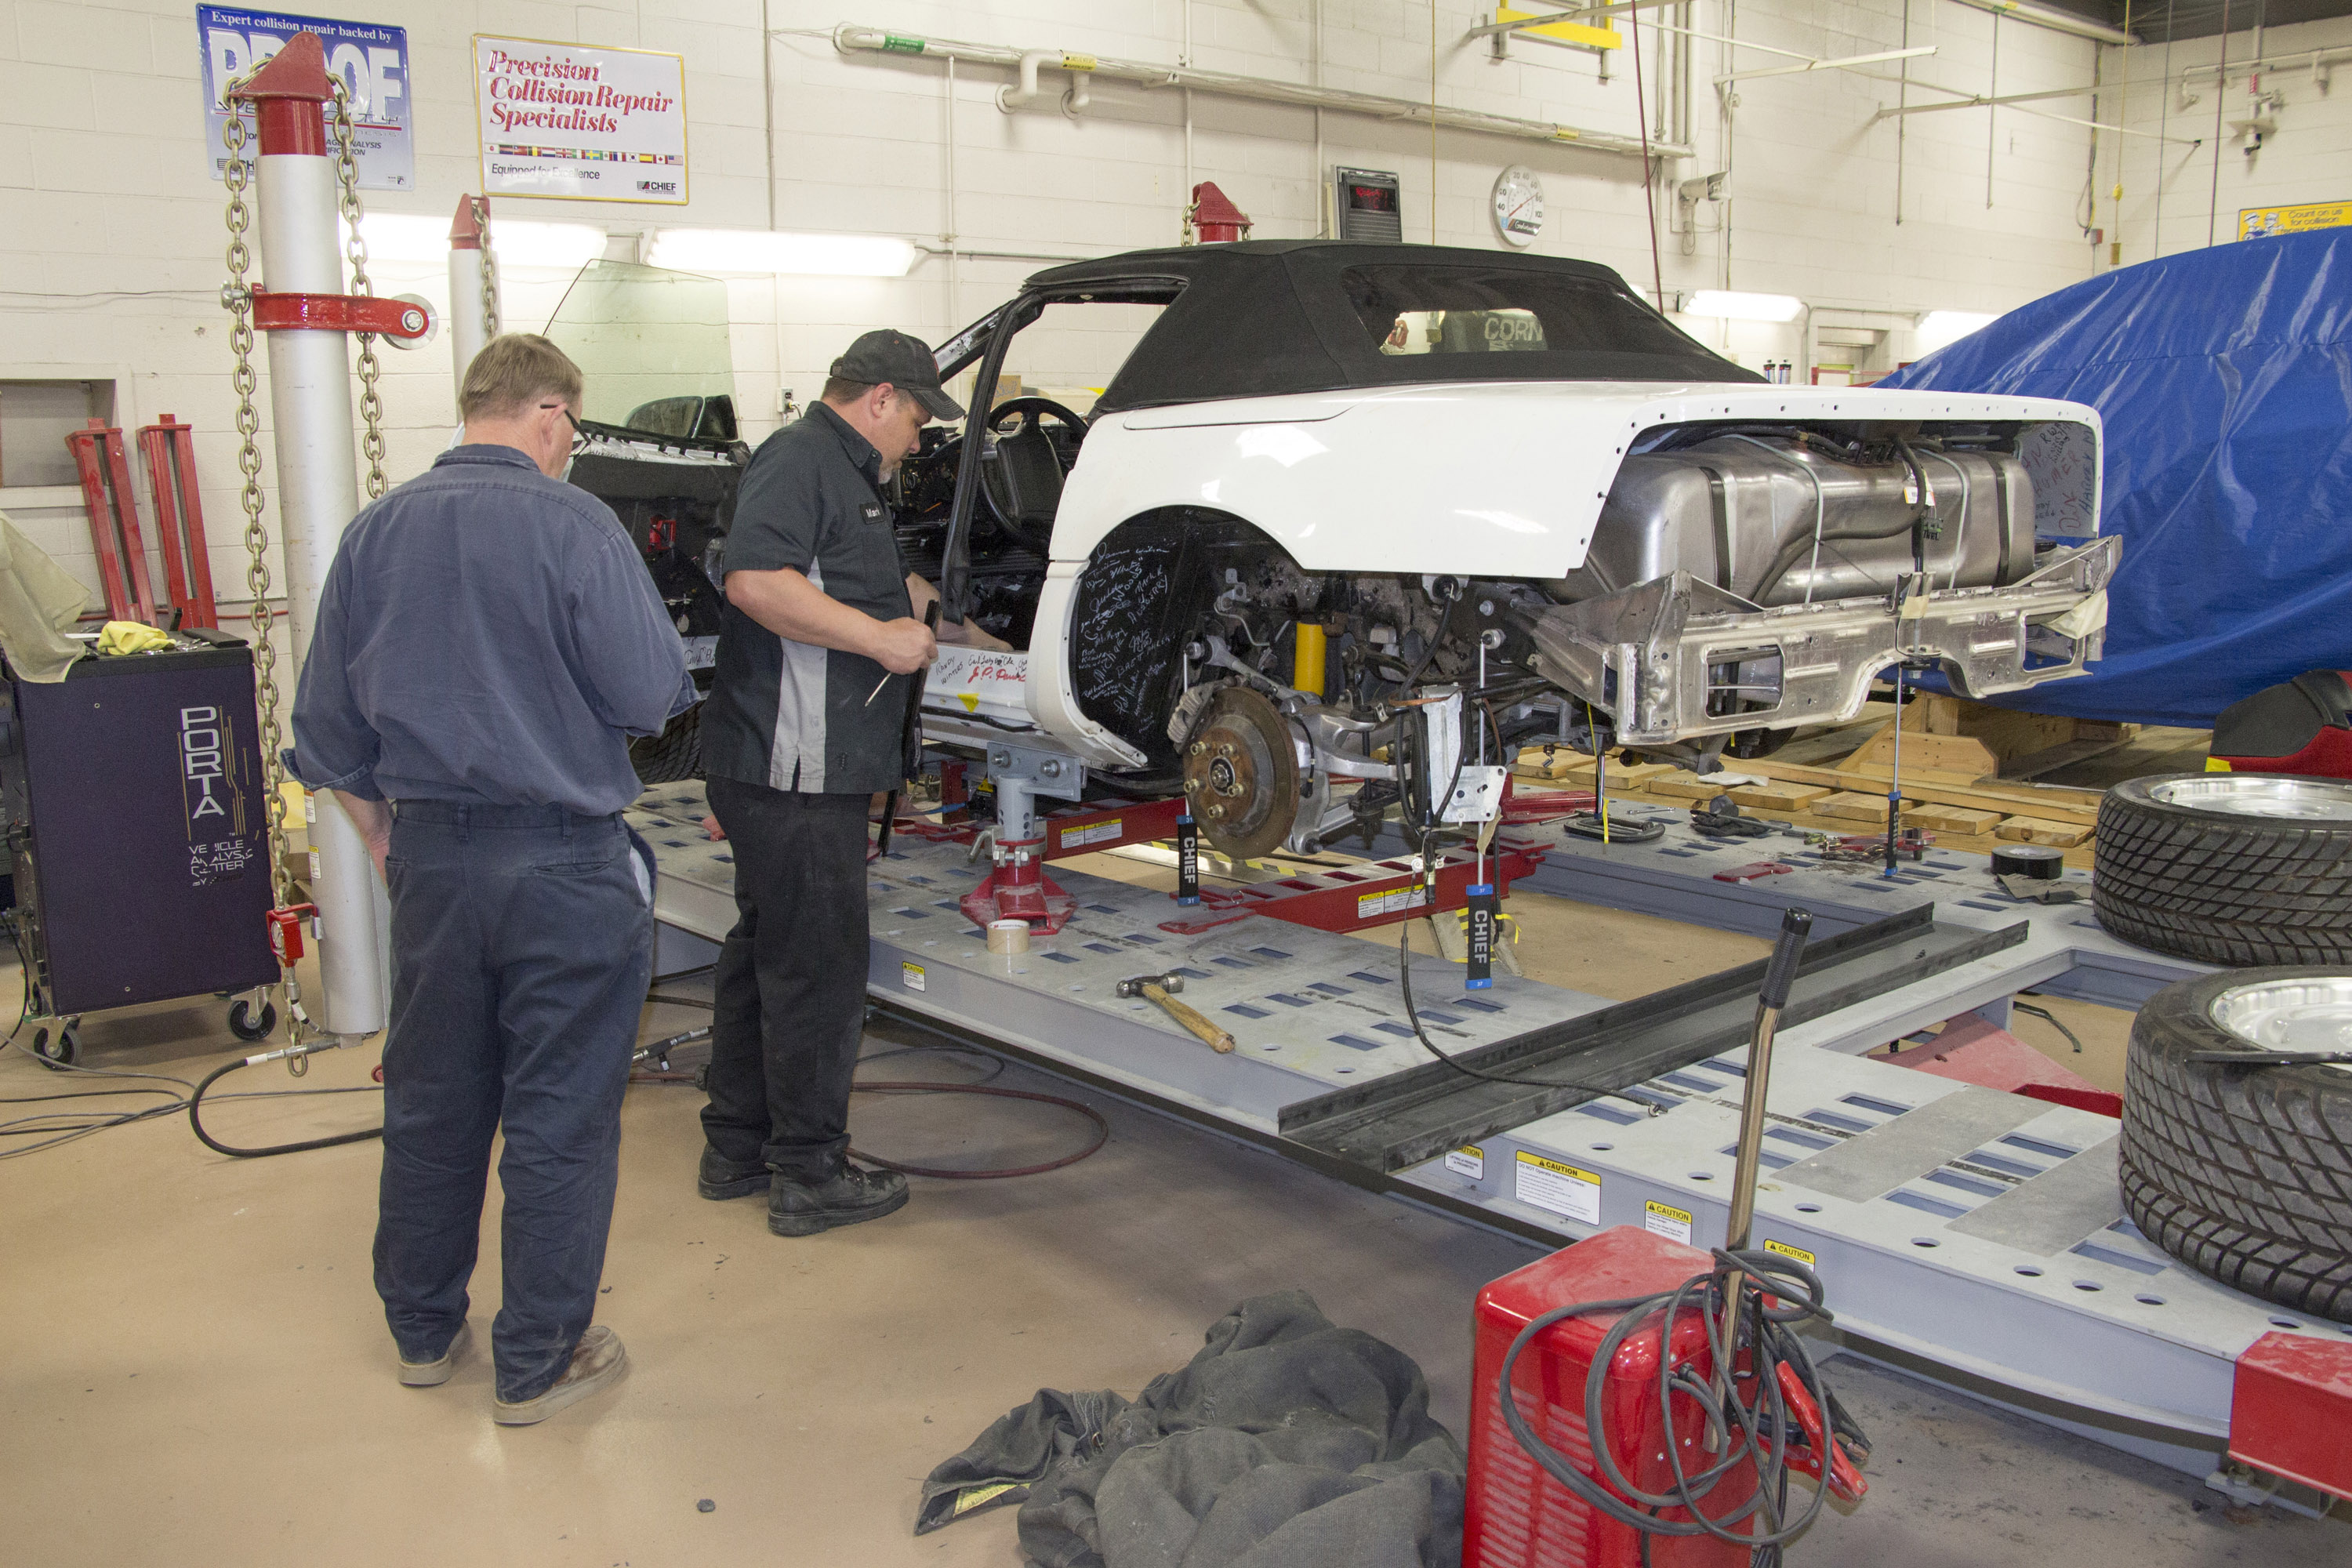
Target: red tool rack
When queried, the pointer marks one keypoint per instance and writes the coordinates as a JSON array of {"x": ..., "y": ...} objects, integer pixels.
[
  {"x": 1354, "y": 898},
  {"x": 103, "y": 464}
]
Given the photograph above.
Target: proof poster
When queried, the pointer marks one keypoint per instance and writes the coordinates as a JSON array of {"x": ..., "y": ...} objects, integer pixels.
[
  {"x": 573, "y": 122},
  {"x": 372, "y": 59}
]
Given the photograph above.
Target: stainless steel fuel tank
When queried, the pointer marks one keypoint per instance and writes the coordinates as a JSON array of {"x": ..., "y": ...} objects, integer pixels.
[{"x": 1726, "y": 509}]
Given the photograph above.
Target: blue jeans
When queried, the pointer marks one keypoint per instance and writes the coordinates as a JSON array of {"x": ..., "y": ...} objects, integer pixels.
[{"x": 522, "y": 948}]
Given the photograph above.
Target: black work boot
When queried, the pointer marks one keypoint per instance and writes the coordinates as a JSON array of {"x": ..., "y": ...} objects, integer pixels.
[
  {"x": 845, "y": 1198},
  {"x": 725, "y": 1179}
]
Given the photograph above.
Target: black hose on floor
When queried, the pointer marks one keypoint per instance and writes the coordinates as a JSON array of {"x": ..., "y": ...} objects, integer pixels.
[{"x": 195, "y": 1123}]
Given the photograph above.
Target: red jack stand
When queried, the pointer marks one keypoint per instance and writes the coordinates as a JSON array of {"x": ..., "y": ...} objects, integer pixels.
[
  {"x": 1016, "y": 887},
  {"x": 1019, "y": 890}
]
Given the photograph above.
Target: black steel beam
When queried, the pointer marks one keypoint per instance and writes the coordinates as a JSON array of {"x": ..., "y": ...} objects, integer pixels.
[{"x": 1406, "y": 1117}]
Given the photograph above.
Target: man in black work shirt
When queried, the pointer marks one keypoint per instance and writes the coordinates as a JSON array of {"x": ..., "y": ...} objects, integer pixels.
[
  {"x": 805, "y": 725},
  {"x": 488, "y": 641}
]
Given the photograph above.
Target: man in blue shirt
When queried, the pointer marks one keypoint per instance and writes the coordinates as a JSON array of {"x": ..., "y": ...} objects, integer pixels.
[{"x": 486, "y": 642}]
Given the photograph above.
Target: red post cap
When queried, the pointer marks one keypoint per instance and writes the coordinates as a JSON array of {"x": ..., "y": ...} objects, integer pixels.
[
  {"x": 286, "y": 93},
  {"x": 1215, "y": 215},
  {"x": 465, "y": 228}
]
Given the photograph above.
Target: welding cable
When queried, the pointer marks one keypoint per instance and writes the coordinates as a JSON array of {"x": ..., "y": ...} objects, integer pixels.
[
  {"x": 196, "y": 1125},
  {"x": 899, "y": 1086},
  {"x": 1743, "y": 1434},
  {"x": 2052, "y": 1019}
]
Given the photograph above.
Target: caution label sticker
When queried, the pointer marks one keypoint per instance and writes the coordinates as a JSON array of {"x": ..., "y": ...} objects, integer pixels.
[
  {"x": 1785, "y": 1250},
  {"x": 1470, "y": 1161},
  {"x": 1105, "y": 832},
  {"x": 1664, "y": 1220},
  {"x": 911, "y": 975},
  {"x": 1563, "y": 1189},
  {"x": 1372, "y": 906}
]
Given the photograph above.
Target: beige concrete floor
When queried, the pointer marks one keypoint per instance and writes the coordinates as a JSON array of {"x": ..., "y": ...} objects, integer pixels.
[{"x": 197, "y": 1370}]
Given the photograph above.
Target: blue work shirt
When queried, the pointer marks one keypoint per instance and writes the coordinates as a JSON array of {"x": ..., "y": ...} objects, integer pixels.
[{"x": 487, "y": 634}]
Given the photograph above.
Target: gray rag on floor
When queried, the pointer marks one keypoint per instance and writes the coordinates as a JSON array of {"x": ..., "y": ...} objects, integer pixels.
[{"x": 1285, "y": 1441}]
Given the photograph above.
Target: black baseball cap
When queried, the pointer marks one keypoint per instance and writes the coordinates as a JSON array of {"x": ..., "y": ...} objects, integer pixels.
[{"x": 905, "y": 362}]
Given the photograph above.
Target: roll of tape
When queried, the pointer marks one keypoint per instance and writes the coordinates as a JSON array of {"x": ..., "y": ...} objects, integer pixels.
[
  {"x": 1008, "y": 936},
  {"x": 2039, "y": 861}
]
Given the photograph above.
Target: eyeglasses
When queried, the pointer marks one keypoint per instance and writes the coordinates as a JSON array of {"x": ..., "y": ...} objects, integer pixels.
[{"x": 579, "y": 437}]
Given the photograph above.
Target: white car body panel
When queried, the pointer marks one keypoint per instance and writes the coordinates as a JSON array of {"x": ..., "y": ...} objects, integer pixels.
[{"x": 1501, "y": 479}]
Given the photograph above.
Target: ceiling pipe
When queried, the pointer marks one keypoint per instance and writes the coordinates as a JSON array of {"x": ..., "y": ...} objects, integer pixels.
[{"x": 852, "y": 38}]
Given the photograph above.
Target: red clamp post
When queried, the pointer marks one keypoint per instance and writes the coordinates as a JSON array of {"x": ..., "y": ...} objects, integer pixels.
[
  {"x": 402, "y": 319},
  {"x": 285, "y": 933}
]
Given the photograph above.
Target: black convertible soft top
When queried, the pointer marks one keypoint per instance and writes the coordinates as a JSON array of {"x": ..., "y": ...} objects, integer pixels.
[{"x": 1261, "y": 318}]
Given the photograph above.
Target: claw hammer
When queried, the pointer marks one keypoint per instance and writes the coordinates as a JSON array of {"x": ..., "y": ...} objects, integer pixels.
[{"x": 1161, "y": 988}]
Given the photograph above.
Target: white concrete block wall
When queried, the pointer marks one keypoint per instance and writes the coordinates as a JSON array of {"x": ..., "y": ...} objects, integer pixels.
[
  {"x": 2172, "y": 197},
  {"x": 110, "y": 230}
]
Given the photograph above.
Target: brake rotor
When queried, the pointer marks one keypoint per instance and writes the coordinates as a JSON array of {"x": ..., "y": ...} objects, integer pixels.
[{"x": 1241, "y": 773}]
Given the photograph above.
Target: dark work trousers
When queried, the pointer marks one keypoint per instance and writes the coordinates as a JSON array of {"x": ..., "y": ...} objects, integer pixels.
[
  {"x": 522, "y": 948},
  {"x": 791, "y": 988}
]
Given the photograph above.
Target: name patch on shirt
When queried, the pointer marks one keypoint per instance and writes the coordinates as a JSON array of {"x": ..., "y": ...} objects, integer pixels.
[{"x": 873, "y": 513}]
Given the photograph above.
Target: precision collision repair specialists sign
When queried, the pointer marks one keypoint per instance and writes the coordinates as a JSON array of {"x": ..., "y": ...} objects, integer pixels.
[
  {"x": 371, "y": 59},
  {"x": 582, "y": 123}
]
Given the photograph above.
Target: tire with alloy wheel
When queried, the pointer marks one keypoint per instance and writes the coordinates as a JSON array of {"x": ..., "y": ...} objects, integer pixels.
[
  {"x": 2245, "y": 1174},
  {"x": 2232, "y": 869}
]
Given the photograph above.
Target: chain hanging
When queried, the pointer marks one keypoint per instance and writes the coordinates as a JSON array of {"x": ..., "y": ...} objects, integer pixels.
[
  {"x": 347, "y": 180},
  {"x": 236, "y": 296},
  {"x": 490, "y": 274}
]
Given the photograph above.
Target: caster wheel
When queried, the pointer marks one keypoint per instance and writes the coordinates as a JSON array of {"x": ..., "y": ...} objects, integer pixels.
[
  {"x": 62, "y": 1048},
  {"x": 245, "y": 1026}
]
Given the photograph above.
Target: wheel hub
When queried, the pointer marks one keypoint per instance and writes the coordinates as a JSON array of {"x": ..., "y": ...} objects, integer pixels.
[
  {"x": 1241, "y": 773},
  {"x": 2260, "y": 794},
  {"x": 2310, "y": 1014}
]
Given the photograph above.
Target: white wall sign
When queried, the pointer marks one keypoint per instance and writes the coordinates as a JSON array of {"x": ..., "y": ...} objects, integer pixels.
[
  {"x": 582, "y": 123},
  {"x": 371, "y": 59}
]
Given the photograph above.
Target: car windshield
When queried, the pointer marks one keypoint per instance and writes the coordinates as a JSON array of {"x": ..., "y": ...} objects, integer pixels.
[
  {"x": 1070, "y": 353},
  {"x": 1457, "y": 310},
  {"x": 652, "y": 344}
]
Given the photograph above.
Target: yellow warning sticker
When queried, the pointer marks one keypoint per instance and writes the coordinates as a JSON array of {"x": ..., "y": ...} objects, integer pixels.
[
  {"x": 1664, "y": 1220},
  {"x": 1372, "y": 906},
  {"x": 1106, "y": 831},
  {"x": 1467, "y": 1161},
  {"x": 911, "y": 974},
  {"x": 1563, "y": 1189},
  {"x": 1785, "y": 1250}
]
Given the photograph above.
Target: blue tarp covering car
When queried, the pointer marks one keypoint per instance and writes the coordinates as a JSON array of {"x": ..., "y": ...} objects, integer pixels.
[{"x": 2224, "y": 378}]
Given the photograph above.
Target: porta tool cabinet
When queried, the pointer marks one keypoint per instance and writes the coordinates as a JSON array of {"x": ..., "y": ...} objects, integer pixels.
[{"x": 139, "y": 831}]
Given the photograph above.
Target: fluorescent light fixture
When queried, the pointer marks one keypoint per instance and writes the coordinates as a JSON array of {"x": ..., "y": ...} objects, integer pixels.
[
  {"x": 411, "y": 236},
  {"x": 2056, "y": 21},
  {"x": 1732, "y": 306},
  {"x": 1938, "y": 328},
  {"x": 567, "y": 245},
  {"x": 750, "y": 250}
]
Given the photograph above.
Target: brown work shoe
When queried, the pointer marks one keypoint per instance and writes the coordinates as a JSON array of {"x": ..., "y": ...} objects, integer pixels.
[{"x": 598, "y": 1361}]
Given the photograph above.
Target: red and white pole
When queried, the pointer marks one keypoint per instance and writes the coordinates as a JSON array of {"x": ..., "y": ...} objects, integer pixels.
[{"x": 318, "y": 484}]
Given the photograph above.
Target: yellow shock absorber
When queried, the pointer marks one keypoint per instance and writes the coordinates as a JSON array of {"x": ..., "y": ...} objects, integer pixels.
[{"x": 1306, "y": 658}]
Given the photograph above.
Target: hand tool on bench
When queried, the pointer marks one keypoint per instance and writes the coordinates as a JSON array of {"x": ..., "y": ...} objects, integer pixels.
[{"x": 1161, "y": 988}]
